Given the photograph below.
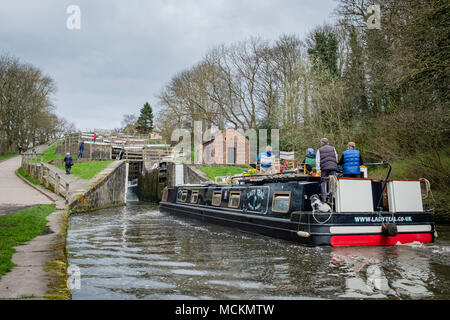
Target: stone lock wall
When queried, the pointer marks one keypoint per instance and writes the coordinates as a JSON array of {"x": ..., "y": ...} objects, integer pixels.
[
  {"x": 151, "y": 183},
  {"x": 149, "y": 188},
  {"x": 108, "y": 190}
]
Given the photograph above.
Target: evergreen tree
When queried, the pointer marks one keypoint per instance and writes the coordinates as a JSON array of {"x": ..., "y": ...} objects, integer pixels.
[
  {"x": 323, "y": 49},
  {"x": 144, "y": 124}
]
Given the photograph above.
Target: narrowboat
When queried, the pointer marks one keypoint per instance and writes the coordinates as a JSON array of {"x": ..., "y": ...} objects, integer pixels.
[{"x": 360, "y": 212}]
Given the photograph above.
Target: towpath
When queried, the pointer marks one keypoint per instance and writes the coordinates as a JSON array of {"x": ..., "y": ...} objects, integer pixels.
[
  {"x": 15, "y": 194},
  {"x": 31, "y": 277}
]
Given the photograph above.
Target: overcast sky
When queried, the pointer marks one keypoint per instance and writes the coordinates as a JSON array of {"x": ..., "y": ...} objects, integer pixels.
[{"x": 127, "y": 50}]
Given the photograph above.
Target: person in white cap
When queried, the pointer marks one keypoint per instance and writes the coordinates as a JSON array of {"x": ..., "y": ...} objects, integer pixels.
[
  {"x": 265, "y": 160},
  {"x": 68, "y": 161}
]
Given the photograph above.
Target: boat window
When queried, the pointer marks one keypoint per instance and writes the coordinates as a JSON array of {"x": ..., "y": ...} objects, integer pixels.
[
  {"x": 216, "y": 198},
  {"x": 194, "y": 197},
  {"x": 281, "y": 201},
  {"x": 235, "y": 199},
  {"x": 184, "y": 194}
]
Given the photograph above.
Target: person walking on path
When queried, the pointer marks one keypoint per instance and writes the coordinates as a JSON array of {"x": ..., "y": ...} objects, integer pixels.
[
  {"x": 68, "y": 161},
  {"x": 351, "y": 161},
  {"x": 80, "y": 155},
  {"x": 326, "y": 160},
  {"x": 95, "y": 137}
]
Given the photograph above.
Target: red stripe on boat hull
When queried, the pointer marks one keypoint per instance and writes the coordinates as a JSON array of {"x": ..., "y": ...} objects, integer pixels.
[{"x": 379, "y": 240}]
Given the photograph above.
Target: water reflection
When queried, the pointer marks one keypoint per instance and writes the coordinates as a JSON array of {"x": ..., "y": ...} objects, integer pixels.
[{"x": 136, "y": 252}]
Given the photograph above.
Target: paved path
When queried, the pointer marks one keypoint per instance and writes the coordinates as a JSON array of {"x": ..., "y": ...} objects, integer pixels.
[
  {"x": 14, "y": 193},
  {"x": 33, "y": 276},
  {"x": 30, "y": 277}
]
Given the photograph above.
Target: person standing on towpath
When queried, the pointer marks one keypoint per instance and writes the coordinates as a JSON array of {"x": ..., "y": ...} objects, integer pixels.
[
  {"x": 68, "y": 161},
  {"x": 80, "y": 155}
]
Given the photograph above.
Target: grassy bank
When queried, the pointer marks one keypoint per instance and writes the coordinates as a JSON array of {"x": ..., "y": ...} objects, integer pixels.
[
  {"x": 83, "y": 170},
  {"x": 19, "y": 227},
  {"x": 50, "y": 153},
  {"x": 29, "y": 178},
  {"x": 7, "y": 156},
  {"x": 87, "y": 170},
  {"x": 435, "y": 168},
  {"x": 213, "y": 172}
]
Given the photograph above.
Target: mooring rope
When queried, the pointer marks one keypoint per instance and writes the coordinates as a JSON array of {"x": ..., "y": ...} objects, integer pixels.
[
  {"x": 322, "y": 222},
  {"x": 428, "y": 191}
]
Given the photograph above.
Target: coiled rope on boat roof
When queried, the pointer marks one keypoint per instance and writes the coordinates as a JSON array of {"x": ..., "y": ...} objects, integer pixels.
[{"x": 428, "y": 191}]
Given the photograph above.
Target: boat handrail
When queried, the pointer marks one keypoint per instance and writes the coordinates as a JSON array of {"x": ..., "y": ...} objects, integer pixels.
[{"x": 272, "y": 176}]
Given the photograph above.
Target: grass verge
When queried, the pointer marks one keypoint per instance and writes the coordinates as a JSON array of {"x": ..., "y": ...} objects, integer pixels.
[
  {"x": 7, "y": 156},
  {"x": 19, "y": 227},
  {"x": 213, "y": 172},
  {"x": 50, "y": 153},
  {"x": 29, "y": 178},
  {"x": 87, "y": 170},
  {"x": 435, "y": 168}
]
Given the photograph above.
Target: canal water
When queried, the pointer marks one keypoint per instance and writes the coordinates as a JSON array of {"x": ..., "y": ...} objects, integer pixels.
[{"x": 137, "y": 252}]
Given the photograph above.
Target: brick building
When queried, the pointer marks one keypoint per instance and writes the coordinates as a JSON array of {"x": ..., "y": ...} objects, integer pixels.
[{"x": 231, "y": 147}]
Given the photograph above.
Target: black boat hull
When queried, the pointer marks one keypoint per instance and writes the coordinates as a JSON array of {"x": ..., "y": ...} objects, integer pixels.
[{"x": 308, "y": 229}]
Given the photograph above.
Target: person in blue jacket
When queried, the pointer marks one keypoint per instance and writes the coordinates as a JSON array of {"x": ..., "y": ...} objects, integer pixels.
[
  {"x": 80, "y": 155},
  {"x": 351, "y": 161},
  {"x": 265, "y": 160}
]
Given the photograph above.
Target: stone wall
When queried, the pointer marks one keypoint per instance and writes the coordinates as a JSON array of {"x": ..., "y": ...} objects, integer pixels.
[
  {"x": 152, "y": 183},
  {"x": 49, "y": 176},
  {"x": 107, "y": 190},
  {"x": 149, "y": 188},
  {"x": 192, "y": 175}
]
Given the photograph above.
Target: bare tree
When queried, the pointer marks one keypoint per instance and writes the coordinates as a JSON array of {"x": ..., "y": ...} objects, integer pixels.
[{"x": 26, "y": 110}]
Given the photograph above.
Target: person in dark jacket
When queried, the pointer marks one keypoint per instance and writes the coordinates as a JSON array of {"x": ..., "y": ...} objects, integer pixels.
[
  {"x": 351, "y": 161},
  {"x": 80, "y": 155},
  {"x": 68, "y": 161},
  {"x": 326, "y": 161}
]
